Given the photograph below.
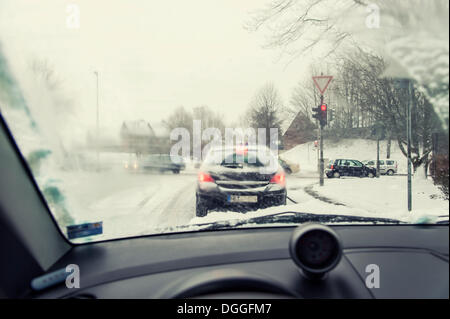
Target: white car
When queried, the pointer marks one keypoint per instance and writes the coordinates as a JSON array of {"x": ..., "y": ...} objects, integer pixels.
[{"x": 387, "y": 166}]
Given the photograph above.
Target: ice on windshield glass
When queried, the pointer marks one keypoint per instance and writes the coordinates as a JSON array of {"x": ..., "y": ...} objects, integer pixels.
[{"x": 147, "y": 117}]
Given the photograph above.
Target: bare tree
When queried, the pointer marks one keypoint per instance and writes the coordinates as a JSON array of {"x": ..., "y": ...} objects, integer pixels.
[
  {"x": 209, "y": 118},
  {"x": 302, "y": 99},
  {"x": 419, "y": 42},
  {"x": 381, "y": 102},
  {"x": 265, "y": 110},
  {"x": 415, "y": 33},
  {"x": 44, "y": 72},
  {"x": 180, "y": 118},
  {"x": 298, "y": 26}
]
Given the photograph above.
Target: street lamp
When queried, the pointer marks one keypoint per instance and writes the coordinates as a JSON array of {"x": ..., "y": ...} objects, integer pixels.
[{"x": 97, "y": 125}]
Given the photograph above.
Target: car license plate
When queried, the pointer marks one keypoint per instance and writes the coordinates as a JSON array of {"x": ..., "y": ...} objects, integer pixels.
[{"x": 242, "y": 199}]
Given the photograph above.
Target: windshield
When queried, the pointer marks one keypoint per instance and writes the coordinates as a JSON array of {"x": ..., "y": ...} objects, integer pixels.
[{"x": 148, "y": 117}]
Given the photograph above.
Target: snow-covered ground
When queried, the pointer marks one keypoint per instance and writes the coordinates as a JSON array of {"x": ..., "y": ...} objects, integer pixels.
[
  {"x": 387, "y": 196},
  {"x": 140, "y": 204},
  {"x": 360, "y": 149}
]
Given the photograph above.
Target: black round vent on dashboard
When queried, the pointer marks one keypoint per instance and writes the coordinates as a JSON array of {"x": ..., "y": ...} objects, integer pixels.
[{"x": 316, "y": 249}]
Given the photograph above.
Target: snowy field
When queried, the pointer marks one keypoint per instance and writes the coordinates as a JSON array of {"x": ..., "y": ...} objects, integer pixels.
[
  {"x": 306, "y": 154},
  {"x": 387, "y": 196}
]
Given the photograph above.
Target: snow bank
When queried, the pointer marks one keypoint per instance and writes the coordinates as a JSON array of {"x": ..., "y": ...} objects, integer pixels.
[{"x": 387, "y": 196}]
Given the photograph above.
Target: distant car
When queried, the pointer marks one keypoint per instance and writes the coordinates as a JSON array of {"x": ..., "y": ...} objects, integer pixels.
[
  {"x": 228, "y": 178},
  {"x": 387, "y": 166},
  {"x": 289, "y": 167},
  {"x": 349, "y": 167},
  {"x": 157, "y": 162}
]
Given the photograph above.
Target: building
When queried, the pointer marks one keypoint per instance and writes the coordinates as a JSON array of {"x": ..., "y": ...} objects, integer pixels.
[
  {"x": 298, "y": 131},
  {"x": 143, "y": 138},
  {"x": 135, "y": 136}
]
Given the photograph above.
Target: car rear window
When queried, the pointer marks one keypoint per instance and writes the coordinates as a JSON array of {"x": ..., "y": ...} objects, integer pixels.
[{"x": 249, "y": 158}]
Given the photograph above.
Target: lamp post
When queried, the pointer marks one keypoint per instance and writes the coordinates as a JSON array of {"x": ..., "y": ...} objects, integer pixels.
[{"x": 97, "y": 125}]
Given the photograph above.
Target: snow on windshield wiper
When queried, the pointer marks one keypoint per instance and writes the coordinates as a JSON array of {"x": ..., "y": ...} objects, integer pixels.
[
  {"x": 443, "y": 219},
  {"x": 297, "y": 218},
  {"x": 290, "y": 218}
]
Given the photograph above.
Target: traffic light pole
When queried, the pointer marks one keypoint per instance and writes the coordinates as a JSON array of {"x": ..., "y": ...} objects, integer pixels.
[
  {"x": 321, "y": 116},
  {"x": 321, "y": 147}
]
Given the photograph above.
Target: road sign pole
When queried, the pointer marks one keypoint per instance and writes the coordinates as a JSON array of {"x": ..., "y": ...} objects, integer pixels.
[
  {"x": 97, "y": 144},
  {"x": 321, "y": 82},
  {"x": 317, "y": 147},
  {"x": 321, "y": 148},
  {"x": 318, "y": 138},
  {"x": 408, "y": 126}
]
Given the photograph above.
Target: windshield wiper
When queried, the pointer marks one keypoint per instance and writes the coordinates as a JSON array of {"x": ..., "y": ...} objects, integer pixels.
[{"x": 297, "y": 218}]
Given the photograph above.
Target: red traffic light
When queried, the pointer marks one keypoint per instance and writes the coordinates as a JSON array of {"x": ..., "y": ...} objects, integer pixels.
[{"x": 323, "y": 107}]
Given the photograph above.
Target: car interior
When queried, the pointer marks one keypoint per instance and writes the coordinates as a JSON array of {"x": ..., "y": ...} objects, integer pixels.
[
  {"x": 161, "y": 152},
  {"x": 307, "y": 261}
]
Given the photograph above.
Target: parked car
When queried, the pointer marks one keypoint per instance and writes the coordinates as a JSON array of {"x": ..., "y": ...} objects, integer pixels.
[
  {"x": 289, "y": 167},
  {"x": 227, "y": 178},
  {"x": 387, "y": 166},
  {"x": 349, "y": 167},
  {"x": 157, "y": 162}
]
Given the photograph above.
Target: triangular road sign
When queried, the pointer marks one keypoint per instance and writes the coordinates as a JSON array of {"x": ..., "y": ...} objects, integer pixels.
[{"x": 322, "y": 82}]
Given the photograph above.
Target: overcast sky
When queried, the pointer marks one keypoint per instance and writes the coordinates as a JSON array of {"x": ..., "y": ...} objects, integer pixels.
[{"x": 152, "y": 56}]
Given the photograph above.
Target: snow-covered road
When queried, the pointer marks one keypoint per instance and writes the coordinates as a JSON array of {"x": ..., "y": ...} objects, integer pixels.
[
  {"x": 142, "y": 203},
  {"x": 136, "y": 204},
  {"x": 145, "y": 203}
]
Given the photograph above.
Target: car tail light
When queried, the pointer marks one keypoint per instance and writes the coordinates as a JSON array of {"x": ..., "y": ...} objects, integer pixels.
[
  {"x": 205, "y": 178},
  {"x": 241, "y": 150},
  {"x": 278, "y": 178},
  {"x": 332, "y": 166}
]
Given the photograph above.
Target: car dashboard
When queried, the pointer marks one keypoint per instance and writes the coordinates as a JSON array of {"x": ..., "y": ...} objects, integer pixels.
[{"x": 412, "y": 262}]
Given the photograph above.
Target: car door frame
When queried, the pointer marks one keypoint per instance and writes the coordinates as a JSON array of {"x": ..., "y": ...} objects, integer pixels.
[
  {"x": 357, "y": 170},
  {"x": 346, "y": 170},
  {"x": 383, "y": 166}
]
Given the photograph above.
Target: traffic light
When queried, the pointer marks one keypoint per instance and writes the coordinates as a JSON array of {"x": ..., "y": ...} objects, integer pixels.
[
  {"x": 315, "y": 113},
  {"x": 331, "y": 115},
  {"x": 323, "y": 114}
]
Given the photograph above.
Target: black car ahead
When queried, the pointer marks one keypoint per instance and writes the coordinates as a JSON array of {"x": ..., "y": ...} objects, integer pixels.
[
  {"x": 241, "y": 178},
  {"x": 349, "y": 167}
]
